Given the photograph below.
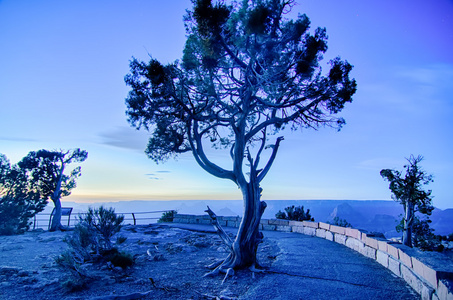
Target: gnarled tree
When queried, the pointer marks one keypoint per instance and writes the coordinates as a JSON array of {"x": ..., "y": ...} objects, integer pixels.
[
  {"x": 408, "y": 190},
  {"x": 47, "y": 172},
  {"x": 246, "y": 72}
]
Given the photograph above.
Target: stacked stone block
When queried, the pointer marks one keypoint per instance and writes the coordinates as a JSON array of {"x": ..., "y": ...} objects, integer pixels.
[{"x": 428, "y": 281}]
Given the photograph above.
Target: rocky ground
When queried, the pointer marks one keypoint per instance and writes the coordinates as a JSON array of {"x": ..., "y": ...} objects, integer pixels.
[{"x": 169, "y": 264}]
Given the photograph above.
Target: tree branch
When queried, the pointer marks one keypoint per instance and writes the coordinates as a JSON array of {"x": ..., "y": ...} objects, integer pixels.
[
  {"x": 202, "y": 160},
  {"x": 271, "y": 160}
]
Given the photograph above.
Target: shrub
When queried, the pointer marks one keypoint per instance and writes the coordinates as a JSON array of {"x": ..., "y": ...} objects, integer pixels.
[
  {"x": 294, "y": 214},
  {"x": 450, "y": 237},
  {"x": 71, "y": 262},
  {"x": 340, "y": 222},
  {"x": 101, "y": 224},
  {"x": 119, "y": 258},
  {"x": 91, "y": 242},
  {"x": 167, "y": 217}
]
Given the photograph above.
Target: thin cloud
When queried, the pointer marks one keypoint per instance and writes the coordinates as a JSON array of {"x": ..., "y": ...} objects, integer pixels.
[
  {"x": 125, "y": 137},
  {"x": 153, "y": 176}
]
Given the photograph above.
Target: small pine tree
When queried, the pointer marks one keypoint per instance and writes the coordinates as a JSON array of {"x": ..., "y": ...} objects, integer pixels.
[
  {"x": 340, "y": 222},
  {"x": 167, "y": 217},
  {"x": 294, "y": 214}
]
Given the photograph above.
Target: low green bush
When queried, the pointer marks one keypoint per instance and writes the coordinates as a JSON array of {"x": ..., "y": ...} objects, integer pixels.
[
  {"x": 340, "y": 222},
  {"x": 91, "y": 241},
  {"x": 119, "y": 258},
  {"x": 294, "y": 214},
  {"x": 167, "y": 217}
]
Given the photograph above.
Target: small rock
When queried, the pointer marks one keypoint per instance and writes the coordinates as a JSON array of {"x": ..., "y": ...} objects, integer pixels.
[{"x": 23, "y": 274}]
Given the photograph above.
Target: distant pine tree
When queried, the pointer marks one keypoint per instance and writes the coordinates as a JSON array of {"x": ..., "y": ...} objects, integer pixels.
[
  {"x": 340, "y": 222},
  {"x": 294, "y": 213}
]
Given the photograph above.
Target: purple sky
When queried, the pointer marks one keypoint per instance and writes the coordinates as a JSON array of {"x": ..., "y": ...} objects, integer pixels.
[{"x": 61, "y": 86}]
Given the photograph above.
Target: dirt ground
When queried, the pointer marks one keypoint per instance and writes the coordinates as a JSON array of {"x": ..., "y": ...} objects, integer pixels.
[{"x": 169, "y": 264}]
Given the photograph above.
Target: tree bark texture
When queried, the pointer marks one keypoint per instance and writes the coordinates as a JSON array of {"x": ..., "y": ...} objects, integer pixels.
[
  {"x": 55, "y": 197},
  {"x": 244, "y": 247},
  {"x": 408, "y": 221},
  {"x": 56, "y": 218}
]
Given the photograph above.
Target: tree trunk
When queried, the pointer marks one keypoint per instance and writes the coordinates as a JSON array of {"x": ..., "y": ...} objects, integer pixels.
[
  {"x": 244, "y": 248},
  {"x": 56, "y": 218},
  {"x": 408, "y": 221},
  {"x": 249, "y": 237}
]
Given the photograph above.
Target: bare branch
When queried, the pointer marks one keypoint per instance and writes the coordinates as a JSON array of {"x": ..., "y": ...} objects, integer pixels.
[{"x": 271, "y": 159}]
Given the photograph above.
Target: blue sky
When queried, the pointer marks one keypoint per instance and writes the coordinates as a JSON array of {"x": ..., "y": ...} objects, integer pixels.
[{"x": 62, "y": 65}]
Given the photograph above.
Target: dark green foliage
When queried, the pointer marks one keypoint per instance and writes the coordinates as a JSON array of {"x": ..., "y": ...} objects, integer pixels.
[
  {"x": 244, "y": 60},
  {"x": 295, "y": 214},
  {"x": 19, "y": 199},
  {"x": 340, "y": 222},
  {"x": 423, "y": 236},
  {"x": 118, "y": 258},
  {"x": 167, "y": 217},
  {"x": 46, "y": 169}
]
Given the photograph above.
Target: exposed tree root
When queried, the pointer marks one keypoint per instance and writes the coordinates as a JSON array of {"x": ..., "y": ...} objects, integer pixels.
[
  {"x": 254, "y": 269},
  {"x": 227, "y": 265},
  {"x": 215, "y": 264},
  {"x": 229, "y": 272}
]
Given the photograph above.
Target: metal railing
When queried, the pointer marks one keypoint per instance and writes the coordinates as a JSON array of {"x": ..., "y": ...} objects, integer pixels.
[{"x": 42, "y": 220}]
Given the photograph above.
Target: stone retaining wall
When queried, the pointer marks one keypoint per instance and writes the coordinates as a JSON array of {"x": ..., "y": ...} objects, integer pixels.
[{"x": 431, "y": 279}]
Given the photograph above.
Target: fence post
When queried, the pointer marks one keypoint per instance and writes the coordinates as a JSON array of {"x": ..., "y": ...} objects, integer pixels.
[{"x": 133, "y": 216}]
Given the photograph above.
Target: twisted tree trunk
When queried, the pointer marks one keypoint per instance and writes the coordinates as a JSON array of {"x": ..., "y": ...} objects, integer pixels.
[
  {"x": 249, "y": 237},
  {"x": 244, "y": 247},
  {"x": 55, "y": 197},
  {"x": 56, "y": 218}
]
